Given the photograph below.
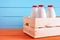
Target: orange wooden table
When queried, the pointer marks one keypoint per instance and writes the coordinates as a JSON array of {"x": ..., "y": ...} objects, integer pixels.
[{"x": 17, "y": 34}]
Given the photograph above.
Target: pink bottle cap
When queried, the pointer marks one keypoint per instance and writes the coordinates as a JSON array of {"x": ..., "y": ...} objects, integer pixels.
[
  {"x": 34, "y": 6},
  {"x": 40, "y": 5},
  {"x": 50, "y": 5}
]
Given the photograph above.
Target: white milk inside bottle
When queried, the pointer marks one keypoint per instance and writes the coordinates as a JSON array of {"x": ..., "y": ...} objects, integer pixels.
[
  {"x": 41, "y": 11},
  {"x": 51, "y": 12},
  {"x": 34, "y": 11}
]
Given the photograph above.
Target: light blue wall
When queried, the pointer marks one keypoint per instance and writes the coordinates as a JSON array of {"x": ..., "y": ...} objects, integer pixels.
[{"x": 13, "y": 11}]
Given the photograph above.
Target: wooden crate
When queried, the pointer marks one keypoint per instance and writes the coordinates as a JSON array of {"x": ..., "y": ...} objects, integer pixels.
[{"x": 41, "y": 27}]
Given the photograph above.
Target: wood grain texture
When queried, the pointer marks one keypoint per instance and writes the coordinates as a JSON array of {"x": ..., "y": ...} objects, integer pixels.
[{"x": 17, "y": 34}]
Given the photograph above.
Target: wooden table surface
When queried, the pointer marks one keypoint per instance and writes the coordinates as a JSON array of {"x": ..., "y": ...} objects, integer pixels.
[{"x": 17, "y": 34}]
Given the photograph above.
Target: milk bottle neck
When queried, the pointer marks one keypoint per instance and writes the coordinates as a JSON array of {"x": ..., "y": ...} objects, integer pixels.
[
  {"x": 50, "y": 8},
  {"x": 35, "y": 9}
]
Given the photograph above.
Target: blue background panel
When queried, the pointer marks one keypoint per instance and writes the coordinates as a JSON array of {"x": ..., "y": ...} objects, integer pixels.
[
  {"x": 11, "y": 22},
  {"x": 13, "y": 11},
  {"x": 20, "y": 11},
  {"x": 27, "y": 3}
]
